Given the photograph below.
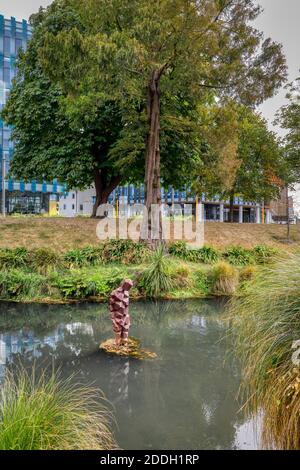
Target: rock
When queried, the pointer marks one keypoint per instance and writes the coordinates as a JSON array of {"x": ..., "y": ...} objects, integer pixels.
[{"x": 133, "y": 349}]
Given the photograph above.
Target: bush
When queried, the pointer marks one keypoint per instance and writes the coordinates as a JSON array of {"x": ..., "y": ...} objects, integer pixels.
[
  {"x": 17, "y": 284},
  {"x": 264, "y": 254},
  {"x": 124, "y": 252},
  {"x": 88, "y": 256},
  {"x": 156, "y": 278},
  {"x": 202, "y": 282},
  {"x": 13, "y": 258},
  {"x": 207, "y": 254},
  {"x": 266, "y": 322},
  {"x": 181, "y": 277},
  {"x": 239, "y": 256},
  {"x": 82, "y": 285},
  {"x": 44, "y": 260},
  {"x": 248, "y": 273},
  {"x": 50, "y": 414},
  {"x": 223, "y": 279}
]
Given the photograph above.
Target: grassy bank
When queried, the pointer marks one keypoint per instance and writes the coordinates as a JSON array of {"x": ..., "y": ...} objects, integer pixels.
[
  {"x": 65, "y": 234},
  {"x": 266, "y": 323},
  {"x": 91, "y": 273}
]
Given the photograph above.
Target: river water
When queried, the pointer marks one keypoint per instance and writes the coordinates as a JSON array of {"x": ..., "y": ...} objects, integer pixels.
[{"x": 186, "y": 399}]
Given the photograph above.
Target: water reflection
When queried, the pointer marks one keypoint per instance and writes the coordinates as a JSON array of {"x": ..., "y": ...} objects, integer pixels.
[{"x": 184, "y": 400}]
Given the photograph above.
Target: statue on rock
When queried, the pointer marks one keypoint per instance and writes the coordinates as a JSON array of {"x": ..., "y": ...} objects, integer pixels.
[
  {"x": 121, "y": 344},
  {"x": 119, "y": 309}
]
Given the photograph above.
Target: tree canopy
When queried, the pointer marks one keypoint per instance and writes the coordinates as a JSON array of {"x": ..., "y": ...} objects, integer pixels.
[
  {"x": 289, "y": 119},
  {"x": 132, "y": 85}
]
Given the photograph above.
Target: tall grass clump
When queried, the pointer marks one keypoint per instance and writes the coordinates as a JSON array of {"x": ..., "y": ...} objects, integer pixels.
[
  {"x": 13, "y": 258},
  {"x": 239, "y": 256},
  {"x": 206, "y": 254},
  {"x": 266, "y": 322},
  {"x": 44, "y": 260},
  {"x": 224, "y": 279},
  {"x": 17, "y": 285},
  {"x": 156, "y": 278},
  {"x": 51, "y": 414}
]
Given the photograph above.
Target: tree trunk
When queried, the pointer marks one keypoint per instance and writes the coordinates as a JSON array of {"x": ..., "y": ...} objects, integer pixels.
[
  {"x": 103, "y": 188},
  {"x": 152, "y": 160},
  {"x": 231, "y": 208}
]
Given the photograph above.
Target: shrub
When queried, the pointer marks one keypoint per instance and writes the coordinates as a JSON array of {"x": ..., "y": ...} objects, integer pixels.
[
  {"x": 17, "y": 284},
  {"x": 202, "y": 282},
  {"x": 239, "y": 256},
  {"x": 266, "y": 322},
  {"x": 248, "y": 273},
  {"x": 206, "y": 254},
  {"x": 50, "y": 414},
  {"x": 181, "y": 277},
  {"x": 13, "y": 258},
  {"x": 44, "y": 260},
  {"x": 124, "y": 252},
  {"x": 223, "y": 279},
  {"x": 264, "y": 254},
  {"x": 82, "y": 285},
  {"x": 83, "y": 257},
  {"x": 156, "y": 278}
]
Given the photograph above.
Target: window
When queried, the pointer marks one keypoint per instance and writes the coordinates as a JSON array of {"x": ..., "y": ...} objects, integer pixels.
[
  {"x": 6, "y": 46},
  {"x": 65, "y": 207},
  {"x": 81, "y": 207},
  {"x": 73, "y": 196},
  {"x": 73, "y": 207}
]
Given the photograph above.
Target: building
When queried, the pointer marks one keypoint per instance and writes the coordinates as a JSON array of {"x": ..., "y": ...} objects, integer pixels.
[
  {"x": 33, "y": 197},
  {"x": 80, "y": 203}
]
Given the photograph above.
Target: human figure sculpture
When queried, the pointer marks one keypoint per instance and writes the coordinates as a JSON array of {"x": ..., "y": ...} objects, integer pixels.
[{"x": 119, "y": 309}]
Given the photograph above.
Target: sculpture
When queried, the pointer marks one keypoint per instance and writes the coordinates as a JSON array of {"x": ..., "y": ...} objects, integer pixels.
[{"x": 119, "y": 309}]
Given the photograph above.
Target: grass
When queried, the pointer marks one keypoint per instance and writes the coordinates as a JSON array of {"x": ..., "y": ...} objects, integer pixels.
[
  {"x": 51, "y": 414},
  {"x": 224, "y": 279},
  {"x": 266, "y": 322},
  {"x": 156, "y": 278},
  {"x": 68, "y": 234}
]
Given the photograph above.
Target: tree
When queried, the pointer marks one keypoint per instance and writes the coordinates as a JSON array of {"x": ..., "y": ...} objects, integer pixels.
[
  {"x": 261, "y": 168},
  {"x": 288, "y": 118},
  {"x": 53, "y": 140},
  {"x": 144, "y": 52}
]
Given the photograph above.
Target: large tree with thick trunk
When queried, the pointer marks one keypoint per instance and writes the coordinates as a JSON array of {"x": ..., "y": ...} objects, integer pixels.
[
  {"x": 143, "y": 54},
  {"x": 52, "y": 139}
]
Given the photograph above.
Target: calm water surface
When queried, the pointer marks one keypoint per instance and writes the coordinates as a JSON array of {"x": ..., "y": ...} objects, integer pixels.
[{"x": 186, "y": 399}]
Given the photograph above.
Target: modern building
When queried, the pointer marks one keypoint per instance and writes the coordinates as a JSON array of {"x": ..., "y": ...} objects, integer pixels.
[
  {"x": 33, "y": 197},
  {"x": 80, "y": 203}
]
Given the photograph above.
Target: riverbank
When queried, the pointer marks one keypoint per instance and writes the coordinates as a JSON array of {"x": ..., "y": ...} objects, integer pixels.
[{"x": 90, "y": 274}]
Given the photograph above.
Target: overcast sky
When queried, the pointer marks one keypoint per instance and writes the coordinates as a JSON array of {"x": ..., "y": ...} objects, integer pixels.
[{"x": 280, "y": 21}]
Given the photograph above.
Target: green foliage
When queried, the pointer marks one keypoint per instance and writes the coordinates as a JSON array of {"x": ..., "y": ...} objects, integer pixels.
[
  {"x": 88, "y": 256},
  {"x": 51, "y": 414},
  {"x": 205, "y": 255},
  {"x": 16, "y": 284},
  {"x": 223, "y": 279},
  {"x": 124, "y": 252},
  {"x": 266, "y": 322},
  {"x": 83, "y": 284},
  {"x": 13, "y": 258},
  {"x": 202, "y": 281},
  {"x": 156, "y": 279},
  {"x": 264, "y": 254},
  {"x": 44, "y": 260},
  {"x": 239, "y": 256}
]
